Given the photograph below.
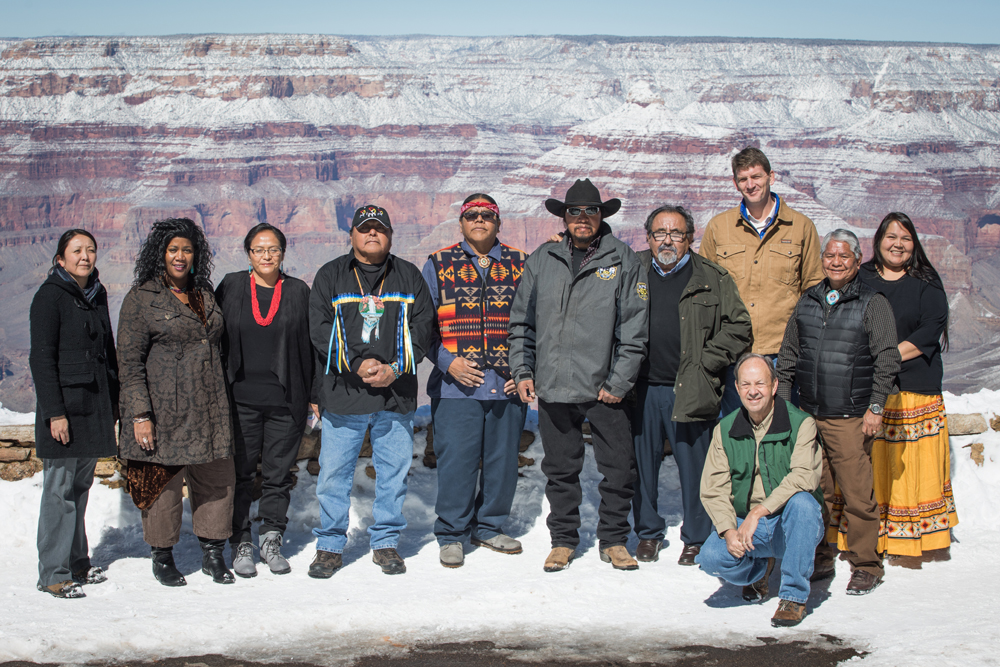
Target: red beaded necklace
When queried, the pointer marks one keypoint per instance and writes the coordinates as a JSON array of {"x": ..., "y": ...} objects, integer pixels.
[{"x": 272, "y": 311}]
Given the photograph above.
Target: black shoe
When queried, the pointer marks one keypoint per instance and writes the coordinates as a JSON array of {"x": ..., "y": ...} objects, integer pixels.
[
  {"x": 213, "y": 563},
  {"x": 164, "y": 569},
  {"x": 389, "y": 560},
  {"x": 325, "y": 564}
]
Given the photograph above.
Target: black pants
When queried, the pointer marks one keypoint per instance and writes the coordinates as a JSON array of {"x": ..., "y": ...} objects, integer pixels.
[
  {"x": 272, "y": 436},
  {"x": 560, "y": 426}
]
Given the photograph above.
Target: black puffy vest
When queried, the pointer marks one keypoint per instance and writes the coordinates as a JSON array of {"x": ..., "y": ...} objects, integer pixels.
[{"x": 835, "y": 369}]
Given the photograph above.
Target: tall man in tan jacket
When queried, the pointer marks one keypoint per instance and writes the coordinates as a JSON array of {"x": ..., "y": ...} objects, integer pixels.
[{"x": 770, "y": 250}]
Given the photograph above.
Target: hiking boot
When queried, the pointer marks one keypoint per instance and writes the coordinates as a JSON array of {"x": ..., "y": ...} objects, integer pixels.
[
  {"x": 758, "y": 590},
  {"x": 619, "y": 558},
  {"x": 270, "y": 553},
  {"x": 499, "y": 543},
  {"x": 64, "y": 589},
  {"x": 325, "y": 564},
  {"x": 788, "y": 614},
  {"x": 863, "y": 583},
  {"x": 243, "y": 564},
  {"x": 648, "y": 551},
  {"x": 452, "y": 555},
  {"x": 389, "y": 560},
  {"x": 688, "y": 553},
  {"x": 213, "y": 563},
  {"x": 92, "y": 575},
  {"x": 559, "y": 559},
  {"x": 164, "y": 569}
]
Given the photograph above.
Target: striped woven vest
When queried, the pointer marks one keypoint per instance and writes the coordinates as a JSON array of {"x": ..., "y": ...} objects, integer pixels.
[{"x": 473, "y": 317}]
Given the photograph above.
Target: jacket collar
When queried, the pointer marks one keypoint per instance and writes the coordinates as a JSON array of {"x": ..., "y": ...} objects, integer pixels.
[
  {"x": 165, "y": 300},
  {"x": 849, "y": 291},
  {"x": 780, "y": 424},
  {"x": 605, "y": 248},
  {"x": 72, "y": 289}
]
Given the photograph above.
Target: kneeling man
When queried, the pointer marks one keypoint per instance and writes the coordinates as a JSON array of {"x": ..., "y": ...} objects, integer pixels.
[{"x": 759, "y": 486}]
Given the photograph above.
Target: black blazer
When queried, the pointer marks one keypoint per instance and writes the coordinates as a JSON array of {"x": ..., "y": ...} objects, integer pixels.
[
  {"x": 75, "y": 370},
  {"x": 293, "y": 359}
]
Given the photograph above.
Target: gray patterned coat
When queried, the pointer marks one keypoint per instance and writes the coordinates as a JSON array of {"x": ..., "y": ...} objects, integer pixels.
[{"x": 169, "y": 366}]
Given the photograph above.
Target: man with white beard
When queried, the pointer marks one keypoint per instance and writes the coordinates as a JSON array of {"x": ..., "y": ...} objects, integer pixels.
[{"x": 698, "y": 326}]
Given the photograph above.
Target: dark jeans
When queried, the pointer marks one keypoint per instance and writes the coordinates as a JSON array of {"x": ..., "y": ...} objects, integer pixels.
[
  {"x": 271, "y": 435},
  {"x": 560, "y": 426},
  {"x": 62, "y": 529},
  {"x": 731, "y": 399},
  {"x": 467, "y": 431},
  {"x": 651, "y": 423}
]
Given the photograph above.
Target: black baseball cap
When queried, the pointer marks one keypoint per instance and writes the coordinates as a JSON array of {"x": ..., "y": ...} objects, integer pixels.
[{"x": 369, "y": 212}]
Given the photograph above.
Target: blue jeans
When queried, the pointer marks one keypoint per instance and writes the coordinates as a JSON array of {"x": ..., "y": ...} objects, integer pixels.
[
  {"x": 392, "y": 452},
  {"x": 791, "y": 535}
]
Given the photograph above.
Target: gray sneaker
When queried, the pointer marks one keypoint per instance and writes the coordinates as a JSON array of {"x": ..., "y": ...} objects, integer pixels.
[
  {"x": 243, "y": 564},
  {"x": 452, "y": 555},
  {"x": 270, "y": 553},
  {"x": 500, "y": 543}
]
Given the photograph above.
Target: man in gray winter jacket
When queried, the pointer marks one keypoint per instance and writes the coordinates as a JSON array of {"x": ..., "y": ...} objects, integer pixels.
[{"x": 578, "y": 335}]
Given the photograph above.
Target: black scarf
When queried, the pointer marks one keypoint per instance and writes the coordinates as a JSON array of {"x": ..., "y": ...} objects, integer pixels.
[{"x": 93, "y": 287}]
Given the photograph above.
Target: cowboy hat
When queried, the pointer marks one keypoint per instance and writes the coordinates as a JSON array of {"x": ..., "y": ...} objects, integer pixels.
[{"x": 583, "y": 193}]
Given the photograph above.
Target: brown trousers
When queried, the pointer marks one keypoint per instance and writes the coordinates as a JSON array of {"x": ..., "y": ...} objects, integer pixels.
[
  {"x": 210, "y": 490},
  {"x": 847, "y": 462}
]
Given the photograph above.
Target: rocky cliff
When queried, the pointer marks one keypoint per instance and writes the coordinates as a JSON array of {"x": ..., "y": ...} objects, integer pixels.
[{"x": 113, "y": 134}]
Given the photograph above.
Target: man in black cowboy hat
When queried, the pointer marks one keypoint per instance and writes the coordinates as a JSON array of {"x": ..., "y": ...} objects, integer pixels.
[{"x": 578, "y": 335}]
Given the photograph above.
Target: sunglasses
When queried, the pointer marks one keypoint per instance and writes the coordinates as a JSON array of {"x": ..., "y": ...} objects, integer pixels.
[
  {"x": 577, "y": 211},
  {"x": 487, "y": 216}
]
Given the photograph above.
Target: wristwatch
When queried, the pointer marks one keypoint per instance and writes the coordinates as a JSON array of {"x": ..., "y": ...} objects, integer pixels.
[{"x": 875, "y": 408}]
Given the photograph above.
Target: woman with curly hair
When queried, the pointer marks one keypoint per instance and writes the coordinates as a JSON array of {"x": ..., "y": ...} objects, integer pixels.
[{"x": 175, "y": 415}]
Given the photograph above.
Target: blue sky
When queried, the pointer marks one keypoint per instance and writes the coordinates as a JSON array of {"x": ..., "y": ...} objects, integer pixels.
[{"x": 964, "y": 21}]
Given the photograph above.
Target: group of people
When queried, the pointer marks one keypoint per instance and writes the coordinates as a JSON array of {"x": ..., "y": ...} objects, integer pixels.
[{"x": 799, "y": 390}]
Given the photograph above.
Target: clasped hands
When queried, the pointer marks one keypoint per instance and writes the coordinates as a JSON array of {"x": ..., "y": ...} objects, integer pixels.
[
  {"x": 373, "y": 372},
  {"x": 740, "y": 540}
]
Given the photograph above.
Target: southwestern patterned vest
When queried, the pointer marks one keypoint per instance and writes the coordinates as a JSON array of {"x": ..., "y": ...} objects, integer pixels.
[{"x": 473, "y": 316}]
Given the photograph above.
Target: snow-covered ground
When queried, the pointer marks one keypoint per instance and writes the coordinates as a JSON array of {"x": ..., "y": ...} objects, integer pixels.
[{"x": 940, "y": 615}]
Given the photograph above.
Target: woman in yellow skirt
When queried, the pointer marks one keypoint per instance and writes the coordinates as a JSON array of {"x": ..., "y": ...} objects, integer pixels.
[{"x": 911, "y": 456}]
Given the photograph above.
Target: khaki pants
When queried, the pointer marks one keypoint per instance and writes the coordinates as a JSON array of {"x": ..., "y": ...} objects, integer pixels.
[
  {"x": 847, "y": 463},
  {"x": 210, "y": 490}
]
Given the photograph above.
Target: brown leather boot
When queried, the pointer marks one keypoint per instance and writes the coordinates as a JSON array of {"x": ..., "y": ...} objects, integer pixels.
[
  {"x": 619, "y": 558},
  {"x": 758, "y": 590},
  {"x": 648, "y": 551},
  {"x": 788, "y": 614},
  {"x": 863, "y": 583},
  {"x": 559, "y": 559}
]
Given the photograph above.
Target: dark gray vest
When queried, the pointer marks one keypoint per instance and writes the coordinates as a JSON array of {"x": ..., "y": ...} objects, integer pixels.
[{"x": 835, "y": 368}]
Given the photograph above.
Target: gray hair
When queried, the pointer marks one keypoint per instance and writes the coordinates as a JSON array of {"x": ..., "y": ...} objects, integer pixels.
[
  {"x": 753, "y": 355},
  {"x": 845, "y": 235},
  {"x": 679, "y": 210}
]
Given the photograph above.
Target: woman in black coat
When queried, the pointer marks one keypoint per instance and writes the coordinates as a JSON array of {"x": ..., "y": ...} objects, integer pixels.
[
  {"x": 269, "y": 364},
  {"x": 75, "y": 371}
]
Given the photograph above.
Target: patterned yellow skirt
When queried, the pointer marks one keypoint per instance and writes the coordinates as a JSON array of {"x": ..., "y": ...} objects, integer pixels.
[{"x": 911, "y": 462}]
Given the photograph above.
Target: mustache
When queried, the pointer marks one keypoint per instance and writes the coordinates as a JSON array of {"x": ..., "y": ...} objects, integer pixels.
[{"x": 666, "y": 255}]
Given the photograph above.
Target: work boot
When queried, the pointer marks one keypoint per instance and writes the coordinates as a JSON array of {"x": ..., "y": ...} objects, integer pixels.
[
  {"x": 452, "y": 555},
  {"x": 758, "y": 590},
  {"x": 619, "y": 558},
  {"x": 243, "y": 564},
  {"x": 213, "y": 563},
  {"x": 648, "y": 551},
  {"x": 559, "y": 559},
  {"x": 499, "y": 543},
  {"x": 389, "y": 560},
  {"x": 270, "y": 553},
  {"x": 325, "y": 564},
  {"x": 91, "y": 575},
  {"x": 64, "y": 589},
  {"x": 863, "y": 583},
  {"x": 164, "y": 569},
  {"x": 788, "y": 614}
]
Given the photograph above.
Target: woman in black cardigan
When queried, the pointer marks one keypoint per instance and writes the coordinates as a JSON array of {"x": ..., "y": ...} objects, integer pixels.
[
  {"x": 269, "y": 365},
  {"x": 75, "y": 371}
]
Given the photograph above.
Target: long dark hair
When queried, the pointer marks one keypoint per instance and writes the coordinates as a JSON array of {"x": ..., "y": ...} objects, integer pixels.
[
  {"x": 150, "y": 263},
  {"x": 918, "y": 266},
  {"x": 64, "y": 240}
]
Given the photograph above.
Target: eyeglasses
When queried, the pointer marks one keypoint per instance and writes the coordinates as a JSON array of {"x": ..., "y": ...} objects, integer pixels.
[
  {"x": 487, "y": 216},
  {"x": 577, "y": 211},
  {"x": 258, "y": 252},
  {"x": 661, "y": 235}
]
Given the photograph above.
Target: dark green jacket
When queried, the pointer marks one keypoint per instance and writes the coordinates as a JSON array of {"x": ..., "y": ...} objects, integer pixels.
[
  {"x": 715, "y": 331},
  {"x": 775, "y": 452}
]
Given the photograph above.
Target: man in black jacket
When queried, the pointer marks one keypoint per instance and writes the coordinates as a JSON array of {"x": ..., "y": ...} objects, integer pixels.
[
  {"x": 840, "y": 346},
  {"x": 370, "y": 318}
]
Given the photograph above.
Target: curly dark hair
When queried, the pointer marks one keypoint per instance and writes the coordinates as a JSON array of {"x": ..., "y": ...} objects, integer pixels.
[{"x": 150, "y": 264}]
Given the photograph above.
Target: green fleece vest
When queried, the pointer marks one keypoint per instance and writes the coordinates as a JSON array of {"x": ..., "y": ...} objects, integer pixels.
[{"x": 775, "y": 454}]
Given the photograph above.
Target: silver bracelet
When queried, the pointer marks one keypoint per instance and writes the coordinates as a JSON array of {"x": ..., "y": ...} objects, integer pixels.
[{"x": 139, "y": 420}]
